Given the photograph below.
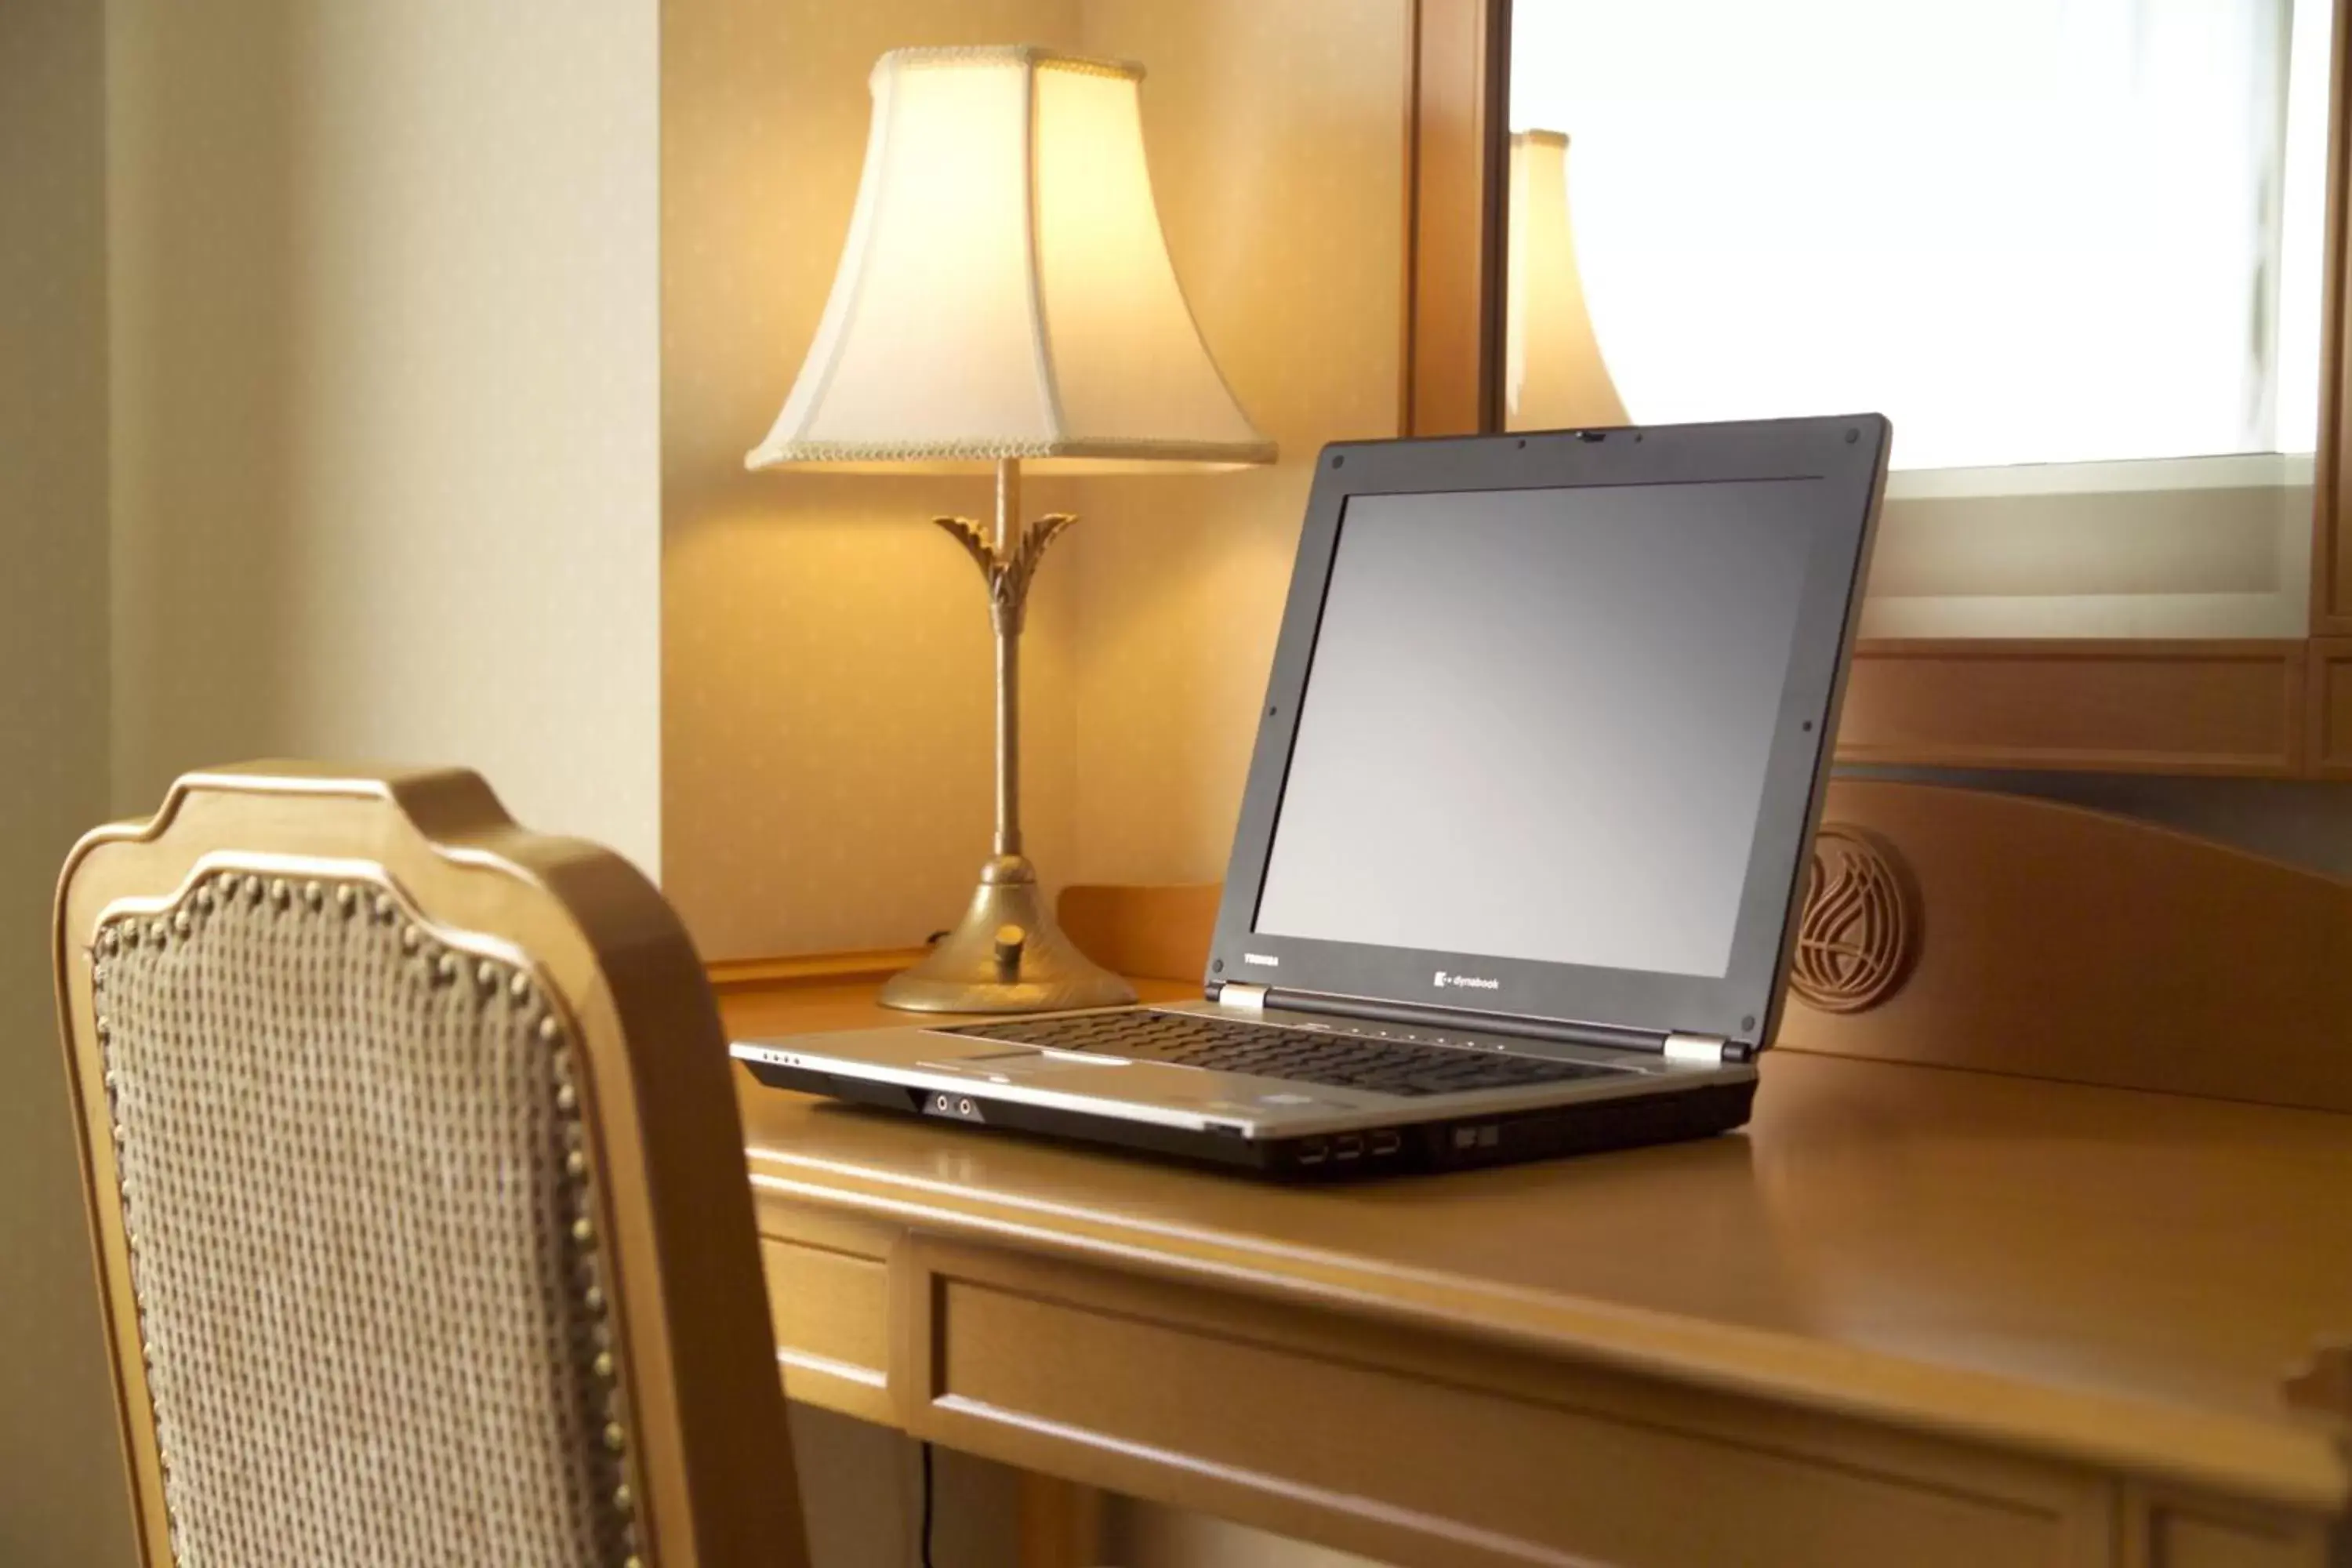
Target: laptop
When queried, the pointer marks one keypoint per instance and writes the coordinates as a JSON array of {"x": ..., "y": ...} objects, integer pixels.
[{"x": 1525, "y": 836}]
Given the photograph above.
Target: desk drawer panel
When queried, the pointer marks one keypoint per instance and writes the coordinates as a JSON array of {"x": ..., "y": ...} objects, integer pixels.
[
  {"x": 829, "y": 1303},
  {"x": 1304, "y": 1439},
  {"x": 2187, "y": 1531}
]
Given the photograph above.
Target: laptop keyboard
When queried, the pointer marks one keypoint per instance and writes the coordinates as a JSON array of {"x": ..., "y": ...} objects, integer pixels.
[{"x": 1272, "y": 1050}]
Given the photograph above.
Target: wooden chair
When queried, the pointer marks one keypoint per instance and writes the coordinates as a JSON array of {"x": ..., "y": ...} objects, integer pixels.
[{"x": 417, "y": 1188}]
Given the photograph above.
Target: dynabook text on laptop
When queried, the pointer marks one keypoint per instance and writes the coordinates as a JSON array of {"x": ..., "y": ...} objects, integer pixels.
[{"x": 1525, "y": 835}]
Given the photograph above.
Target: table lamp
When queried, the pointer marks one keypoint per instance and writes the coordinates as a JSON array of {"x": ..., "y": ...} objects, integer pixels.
[
  {"x": 1005, "y": 299},
  {"x": 1553, "y": 375}
]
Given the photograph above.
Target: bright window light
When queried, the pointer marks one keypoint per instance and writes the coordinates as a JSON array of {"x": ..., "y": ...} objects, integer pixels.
[{"x": 2032, "y": 231}]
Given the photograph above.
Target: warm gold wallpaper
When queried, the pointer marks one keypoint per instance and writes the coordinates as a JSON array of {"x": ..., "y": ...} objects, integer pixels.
[
  {"x": 1277, "y": 152},
  {"x": 827, "y": 685},
  {"x": 825, "y": 690}
]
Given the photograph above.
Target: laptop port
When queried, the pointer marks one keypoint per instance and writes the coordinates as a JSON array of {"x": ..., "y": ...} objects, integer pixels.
[
  {"x": 1347, "y": 1146},
  {"x": 1313, "y": 1151},
  {"x": 1387, "y": 1143}
]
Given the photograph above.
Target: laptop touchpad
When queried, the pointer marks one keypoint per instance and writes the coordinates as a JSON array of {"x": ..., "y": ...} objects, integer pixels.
[
  {"x": 1109, "y": 1077},
  {"x": 1022, "y": 1061}
]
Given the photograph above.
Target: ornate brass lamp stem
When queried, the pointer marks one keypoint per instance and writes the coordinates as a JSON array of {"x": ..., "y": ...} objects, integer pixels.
[
  {"x": 1007, "y": 956},
  {"x": 1007, "y": 556}
]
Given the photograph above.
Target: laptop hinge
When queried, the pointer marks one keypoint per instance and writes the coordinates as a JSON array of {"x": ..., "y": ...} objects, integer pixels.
[
  {"x": 1675, "y": 1046},
  {"x": 1708, "y": 1048}
]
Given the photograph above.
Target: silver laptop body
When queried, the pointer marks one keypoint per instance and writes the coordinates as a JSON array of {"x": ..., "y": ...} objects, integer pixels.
[{"x": 1525, "y": 834}]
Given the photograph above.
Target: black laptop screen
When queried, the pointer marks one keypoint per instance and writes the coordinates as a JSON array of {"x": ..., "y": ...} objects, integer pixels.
[{"x": 1536, "y": 722}]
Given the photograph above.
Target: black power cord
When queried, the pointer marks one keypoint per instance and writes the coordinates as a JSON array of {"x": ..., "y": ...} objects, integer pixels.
[{"x": 928, "y": 1496}]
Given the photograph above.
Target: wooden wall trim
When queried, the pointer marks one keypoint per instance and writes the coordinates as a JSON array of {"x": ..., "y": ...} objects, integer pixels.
[
  {"x": 2331, "y": 531},
  {"x": 2233, "y": 708},
  {"x": 2050, "y": 941},
  {"x": 2330, "y": 730},
  {"x": 2065, "y": 943},
  {"x": 1455, "y": 169},
  {"x": 733, "y": 975}
]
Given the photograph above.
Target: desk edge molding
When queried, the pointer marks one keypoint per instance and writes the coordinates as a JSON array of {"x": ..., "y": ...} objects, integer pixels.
[{"x": 2289, "y": 1462}]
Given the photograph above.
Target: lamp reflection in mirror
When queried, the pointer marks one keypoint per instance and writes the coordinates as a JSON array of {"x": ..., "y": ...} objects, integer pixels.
[
  {"x": 1553, "y": 375},
  {"x": 1005, "y": 300}
]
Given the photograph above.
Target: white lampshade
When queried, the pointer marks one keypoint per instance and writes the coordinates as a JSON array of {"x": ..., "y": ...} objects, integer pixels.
[
  {"x": 1005, "y": 291},
  {"x": 1553, "y": 375}
]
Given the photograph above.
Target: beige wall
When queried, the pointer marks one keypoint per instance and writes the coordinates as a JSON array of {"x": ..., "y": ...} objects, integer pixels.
[
  {"x": 62, "y": 1503},
  {"x": 329, "y": 426},
  {"x": 1276, "y": 134},
  {"x": 384, "y": 281}
]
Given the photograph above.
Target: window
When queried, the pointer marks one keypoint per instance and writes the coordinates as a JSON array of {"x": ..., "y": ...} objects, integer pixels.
[{"x": 2084, "y": 233}]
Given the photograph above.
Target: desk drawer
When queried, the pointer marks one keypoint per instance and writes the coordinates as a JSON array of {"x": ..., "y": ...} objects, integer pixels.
[
  {"x": 2168, "y": 1530},
  {"x": 1405, "y": 1446},
  {"x": 829, "y": 1303}
]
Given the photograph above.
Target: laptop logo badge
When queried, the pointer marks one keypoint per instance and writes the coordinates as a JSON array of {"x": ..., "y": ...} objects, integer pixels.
[
  {"x": 1266, "y": 958},
  {"x": 1474, "y": 982}
]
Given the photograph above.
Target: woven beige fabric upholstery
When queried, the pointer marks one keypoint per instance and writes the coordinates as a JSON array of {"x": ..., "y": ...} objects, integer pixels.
[{"x": 352, "y": 1170}]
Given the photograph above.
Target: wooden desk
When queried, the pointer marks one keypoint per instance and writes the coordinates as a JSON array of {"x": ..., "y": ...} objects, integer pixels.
[{"x": 1912, "y": 1315}]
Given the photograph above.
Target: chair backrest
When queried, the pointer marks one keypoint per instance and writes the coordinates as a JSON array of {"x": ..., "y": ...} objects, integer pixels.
[{"x": 417, "y": 1188}]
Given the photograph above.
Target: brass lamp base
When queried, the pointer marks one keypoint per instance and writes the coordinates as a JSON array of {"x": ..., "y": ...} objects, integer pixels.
[{"x": 1007, "y": 956}]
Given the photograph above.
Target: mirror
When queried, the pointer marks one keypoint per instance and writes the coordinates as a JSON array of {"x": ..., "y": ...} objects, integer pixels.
[
  {"x": 2084, "y": 253},
  {"x": 2072, "y": 248}
]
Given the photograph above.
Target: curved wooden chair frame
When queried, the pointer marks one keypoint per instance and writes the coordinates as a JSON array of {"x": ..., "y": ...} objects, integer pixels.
[{"x": 711, "y": 1458}]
